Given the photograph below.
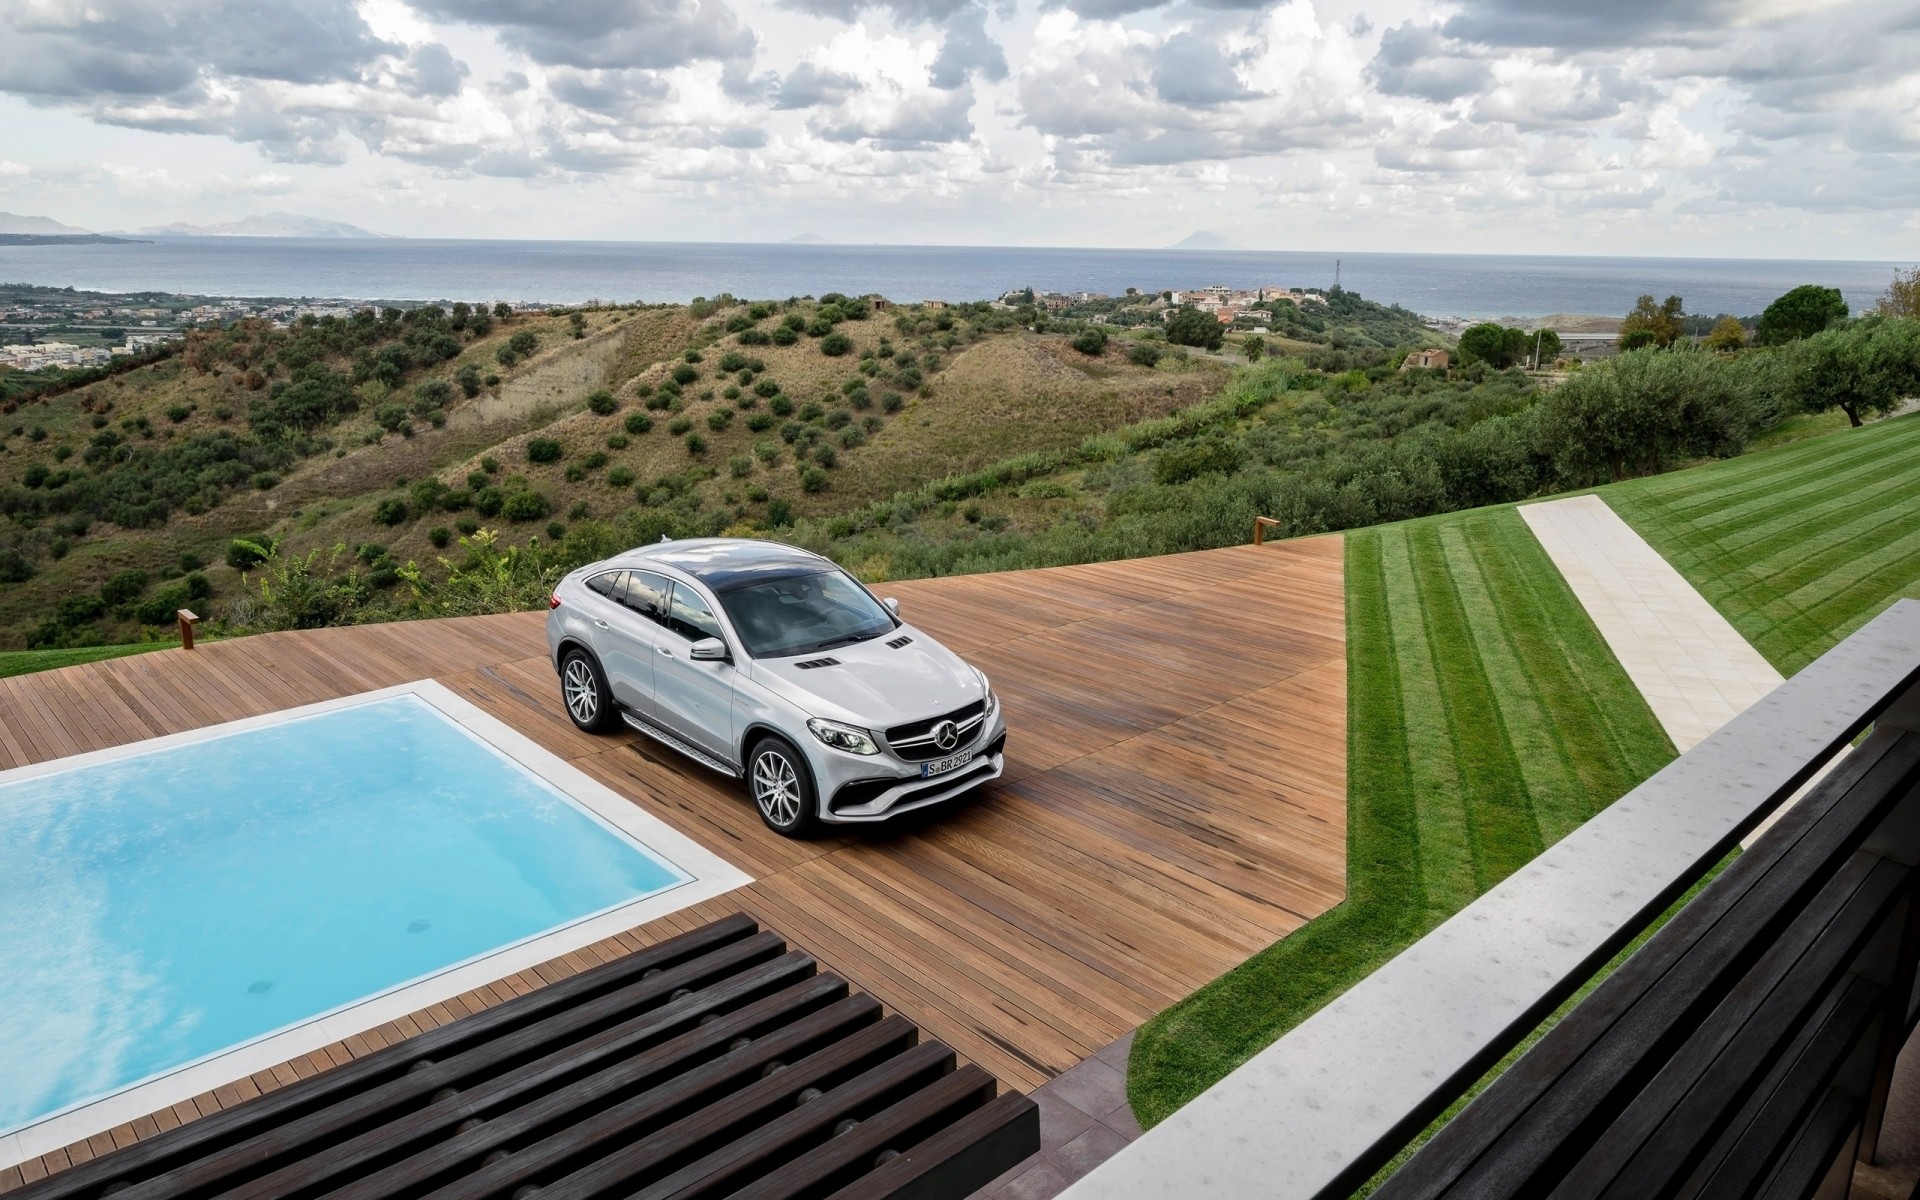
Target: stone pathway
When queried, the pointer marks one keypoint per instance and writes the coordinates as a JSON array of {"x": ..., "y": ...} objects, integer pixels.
[
  {"x": 1695, "y": 670},
  {"x": 1084, "y": 1121}
]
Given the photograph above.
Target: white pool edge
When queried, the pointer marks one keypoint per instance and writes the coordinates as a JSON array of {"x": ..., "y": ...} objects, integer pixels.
[{"x": 707, "y": 875}]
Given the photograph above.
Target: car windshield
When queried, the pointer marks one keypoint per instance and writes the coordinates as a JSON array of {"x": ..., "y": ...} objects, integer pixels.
[{"x": 803, "y": 613}]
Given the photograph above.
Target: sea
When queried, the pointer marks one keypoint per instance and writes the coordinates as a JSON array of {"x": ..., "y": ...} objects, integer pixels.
[{"x": 562, "y": 272}]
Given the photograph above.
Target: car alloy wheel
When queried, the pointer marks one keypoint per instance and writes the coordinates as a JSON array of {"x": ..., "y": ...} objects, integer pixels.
[
  {"x": 776, "y": 788},
  {"x": 582, "y": 690}
]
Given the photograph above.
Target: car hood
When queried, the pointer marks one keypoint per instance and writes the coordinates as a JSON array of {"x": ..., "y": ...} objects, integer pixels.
[{"x": 873, "y": 685}]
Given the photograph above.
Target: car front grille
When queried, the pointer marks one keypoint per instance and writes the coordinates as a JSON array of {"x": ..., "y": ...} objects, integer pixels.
[
  {"x": 914, "y": 740},
  {"x": 866, "y": 791}
]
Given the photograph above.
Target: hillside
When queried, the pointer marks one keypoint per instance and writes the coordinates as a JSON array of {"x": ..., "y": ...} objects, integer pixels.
[{"x": 396, "y": 434}]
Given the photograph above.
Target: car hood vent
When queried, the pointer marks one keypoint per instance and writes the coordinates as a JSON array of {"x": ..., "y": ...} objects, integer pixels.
[
  {"x": 902, "y": 640},
  {"x": 811, "y": 663}
]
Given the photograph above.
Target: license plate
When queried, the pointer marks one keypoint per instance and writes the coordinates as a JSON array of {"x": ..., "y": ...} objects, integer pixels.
[{"x": 941, "y": 766}]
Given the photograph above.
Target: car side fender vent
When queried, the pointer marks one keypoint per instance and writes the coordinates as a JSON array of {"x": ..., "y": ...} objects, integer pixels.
[
  {"x": 898, "y": 642},
  {"x": 811, "y": 663}
]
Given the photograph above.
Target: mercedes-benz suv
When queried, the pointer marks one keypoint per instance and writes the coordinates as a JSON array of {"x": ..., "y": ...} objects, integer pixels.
[{"x": 771, "y": 664}]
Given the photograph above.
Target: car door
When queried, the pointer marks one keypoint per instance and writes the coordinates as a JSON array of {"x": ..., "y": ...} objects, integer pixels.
[
  {"x": 623, "y": 638},
  {"x": 693, "y": 699}
]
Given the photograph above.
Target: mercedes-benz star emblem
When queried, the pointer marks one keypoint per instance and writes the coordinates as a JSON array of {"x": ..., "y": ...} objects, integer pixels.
[{"x": 945, "y": 734}]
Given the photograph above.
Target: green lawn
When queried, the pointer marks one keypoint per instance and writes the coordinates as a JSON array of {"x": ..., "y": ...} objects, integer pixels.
[
  {"x": 1486, "y": 720},
  {"x": 1799, "y": 546},
  {"x": 25, "y": 662}
]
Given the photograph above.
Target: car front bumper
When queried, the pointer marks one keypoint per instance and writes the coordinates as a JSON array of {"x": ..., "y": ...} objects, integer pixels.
[{"x": 860, "y": 789}]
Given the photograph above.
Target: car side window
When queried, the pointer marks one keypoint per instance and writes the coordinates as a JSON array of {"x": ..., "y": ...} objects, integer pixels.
[
  {"x": 647, "y": 595},
  {"x": 691, "y": 618},
  {"x": 604, "y": 583}
]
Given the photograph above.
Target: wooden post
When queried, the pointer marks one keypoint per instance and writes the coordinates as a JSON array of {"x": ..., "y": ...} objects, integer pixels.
[
  {"x": 187, "y": 621},
  {"x": 1260, "y": 527}
]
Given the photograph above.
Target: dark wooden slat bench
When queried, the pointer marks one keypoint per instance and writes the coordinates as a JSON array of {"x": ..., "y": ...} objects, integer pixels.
[
  {"x": 715, "y": 1063},
  {"x": 1745, "y": 1049}
]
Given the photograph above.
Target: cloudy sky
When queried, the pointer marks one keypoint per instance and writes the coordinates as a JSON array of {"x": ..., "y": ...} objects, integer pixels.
[{"x": 1749, "y": 128}]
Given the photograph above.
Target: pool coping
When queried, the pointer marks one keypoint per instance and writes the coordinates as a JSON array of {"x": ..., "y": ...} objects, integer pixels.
[{"x": 707, "y": 875}]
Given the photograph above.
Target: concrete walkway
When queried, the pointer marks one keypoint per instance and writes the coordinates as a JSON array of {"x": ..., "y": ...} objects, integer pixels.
[{"x": 1695, "y": 670}]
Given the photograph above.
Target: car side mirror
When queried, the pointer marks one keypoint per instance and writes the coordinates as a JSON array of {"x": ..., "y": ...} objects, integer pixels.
[
  {"x": 893, "y": 606},
  {"x": 708, "y": 650}
]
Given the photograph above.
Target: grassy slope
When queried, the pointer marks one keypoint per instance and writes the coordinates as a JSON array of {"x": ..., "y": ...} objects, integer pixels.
[
  {"x": 1798, "y": 546},
  {"x": 1486, "y": 721}
]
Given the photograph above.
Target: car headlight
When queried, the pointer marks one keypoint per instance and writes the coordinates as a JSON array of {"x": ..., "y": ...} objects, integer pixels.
[{"x": 850, "y": 738}]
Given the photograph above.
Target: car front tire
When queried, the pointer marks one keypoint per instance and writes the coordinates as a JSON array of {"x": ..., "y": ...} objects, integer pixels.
[
  {"x": 782, "y": 787},
  {"x": 583, "y": 688}
]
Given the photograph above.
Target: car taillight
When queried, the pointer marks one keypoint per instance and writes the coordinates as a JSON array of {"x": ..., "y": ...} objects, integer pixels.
[{"x": 553, "y": 601}]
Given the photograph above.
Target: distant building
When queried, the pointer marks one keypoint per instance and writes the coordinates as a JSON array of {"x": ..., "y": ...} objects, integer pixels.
[
  {"x": 1431, "y": 360},
  {"x": 933, "y": 304}
]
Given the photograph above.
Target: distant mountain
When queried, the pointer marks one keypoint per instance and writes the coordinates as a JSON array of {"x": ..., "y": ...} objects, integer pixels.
[
  {"x": 1206, "y": 239},
  {"x": 806, "y": 239},
  {"x": 274, "y": 224},
  {"x": 15, "y": 223},
  {"x": 65, "y": 239}
]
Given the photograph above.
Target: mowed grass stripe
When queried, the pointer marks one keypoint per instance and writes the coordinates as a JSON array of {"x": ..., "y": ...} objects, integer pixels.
[
  {"x": 1445, "y": 843},
  {"x": 1799, "y": 572},
  {"x": 1485, "y": 719},
  {"x": 1738, "y": 483}
]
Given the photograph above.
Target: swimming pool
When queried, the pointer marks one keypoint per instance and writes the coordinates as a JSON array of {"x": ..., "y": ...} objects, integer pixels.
[{"x": 179, "y": 913}]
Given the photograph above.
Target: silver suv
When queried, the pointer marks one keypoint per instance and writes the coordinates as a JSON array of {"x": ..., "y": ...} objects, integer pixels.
[{"x": 763, "y": 661}]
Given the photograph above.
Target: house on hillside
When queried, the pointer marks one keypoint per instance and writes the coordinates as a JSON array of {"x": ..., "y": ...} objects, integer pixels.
[{"x": 1430, "y": 360}]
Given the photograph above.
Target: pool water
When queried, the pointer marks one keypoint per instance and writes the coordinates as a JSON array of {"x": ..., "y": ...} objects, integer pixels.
[{"x": 161, "y": 907}]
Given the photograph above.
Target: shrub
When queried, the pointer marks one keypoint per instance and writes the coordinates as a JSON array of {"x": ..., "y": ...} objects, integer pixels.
[
  {"x": 638, "y": 423},
  {"x": 696, "y": 444},
  {"x": 679, "y": 425},
  {"x": 780, "y": 406},
  {"x": 476, "y": 480},
  {"x": 767, "y": 388},
  {"x": 740, "y": 465},
  {"x": 685, "y": 374},
  {"x": 760, "y": 421},
  {"x": 785, "y": 335},
  {"x": 839, "y": 418},
  {"x": 719, "y": 419},
  {"x": 467, "y": 525},
  {"x": 189, "y": 561},
  {"x": 594, "y": 461},
  {"x": 244, "y": 554},
  {"x": 555, "y": 531},
  {"x": 544, "y": 450},
  {"x": 892, "y": 401},
  {"x": 733, "y": 360},
  {"x": 779, "y": 512},
  {"x": 525, "y": 506},
  {"x": 488, "y": 502},
  {"x": 620, "y": 477},
  {"x": 825, "y": 455},
  {"x": 618, "y": 441},
  {"x": 1181, "y": 463},
  {"x": 468, "y": 378},
  {"x": 439, "y": 535},
  {"x": 754, "y": 337},
  {"x": 1144, "y": 354},
  {"x": 392, "y": 418},
  {"x": 266, "y": 481},
  {"x": 123, "y": 587},
  {"x": 1091, "y": 341},
  {"x": 490, "y": 465},
  {"x": 390, "y": 512},
  {"x": 601, "y": 402},
  {"x": 813, "y": 479},
  {"x": 811, "y": 411},
  {"x": 835, "y": 344},
  {"x": 178, "y": 413},
  {"x": 859, "y": 398}
]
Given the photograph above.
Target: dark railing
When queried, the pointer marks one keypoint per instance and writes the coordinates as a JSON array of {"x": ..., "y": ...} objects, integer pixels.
[{"x": 1744, "y": 1050}]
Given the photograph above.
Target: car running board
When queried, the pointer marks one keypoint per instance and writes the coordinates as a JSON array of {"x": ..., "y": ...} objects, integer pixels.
[{"x": 673, "y": 743}]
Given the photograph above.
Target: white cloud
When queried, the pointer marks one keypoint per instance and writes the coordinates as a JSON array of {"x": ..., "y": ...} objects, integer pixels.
[{"x": 980, "y": 120}]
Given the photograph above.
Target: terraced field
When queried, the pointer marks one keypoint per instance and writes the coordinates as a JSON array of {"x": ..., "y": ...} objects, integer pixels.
[
  {"x": 1798, "y": 546},
  {"x": 1486, "y": 720}
]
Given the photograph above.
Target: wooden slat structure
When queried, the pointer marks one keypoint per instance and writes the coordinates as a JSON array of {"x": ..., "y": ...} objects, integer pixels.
[
  {"x": 1747, "y": 1048},
  {"x": 715, "y": 1063},
  {"x": 1174, "y": 801}
]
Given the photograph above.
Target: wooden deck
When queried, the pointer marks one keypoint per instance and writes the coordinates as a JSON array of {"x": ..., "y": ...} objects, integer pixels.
[{"x": 1175, "y": 797}]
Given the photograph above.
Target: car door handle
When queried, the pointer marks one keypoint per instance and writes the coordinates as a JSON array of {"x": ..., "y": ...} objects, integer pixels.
[
  {"x": 602, "y": 624},
  {"x": 664, "y": 650}
]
